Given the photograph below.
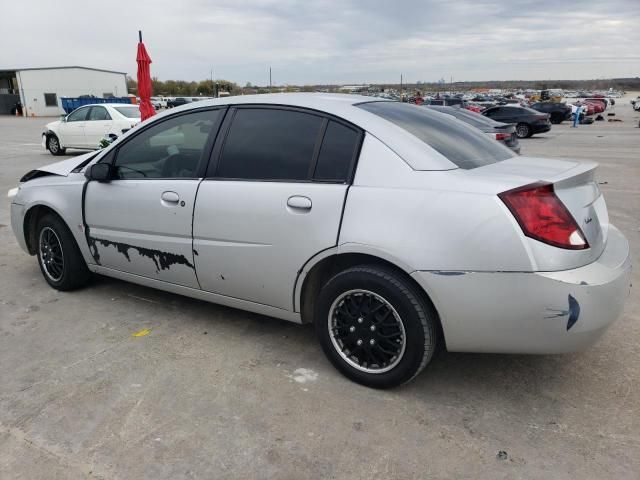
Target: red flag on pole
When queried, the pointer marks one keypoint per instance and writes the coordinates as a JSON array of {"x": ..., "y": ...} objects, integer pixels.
[{"x": 144, "y": 81}]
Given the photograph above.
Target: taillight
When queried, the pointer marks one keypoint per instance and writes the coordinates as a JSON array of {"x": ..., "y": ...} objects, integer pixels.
[
  {"x": 502, "y": 136},
  {"x": 543, "y": 216}
]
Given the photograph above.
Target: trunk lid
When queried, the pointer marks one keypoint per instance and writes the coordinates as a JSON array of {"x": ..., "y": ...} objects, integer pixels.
[{"x": 576, "y": 187}]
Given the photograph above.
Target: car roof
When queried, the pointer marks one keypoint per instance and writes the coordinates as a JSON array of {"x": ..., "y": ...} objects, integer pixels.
[{"x": 344, "y": 106}]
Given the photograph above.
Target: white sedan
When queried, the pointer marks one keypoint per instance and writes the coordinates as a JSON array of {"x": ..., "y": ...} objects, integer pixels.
[
  {"x": 86, "y": 126},
  {"x": 391, "y": 227}
]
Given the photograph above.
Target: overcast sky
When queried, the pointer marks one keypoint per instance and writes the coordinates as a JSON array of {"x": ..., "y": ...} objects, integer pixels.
[{"x": 345, "y": 41}]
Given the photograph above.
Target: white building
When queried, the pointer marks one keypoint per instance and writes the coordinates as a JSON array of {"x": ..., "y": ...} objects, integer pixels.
[{"x": 39, "y": 90}]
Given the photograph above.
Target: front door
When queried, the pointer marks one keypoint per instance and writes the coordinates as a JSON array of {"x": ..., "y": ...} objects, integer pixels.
[
  {"x": 72, "y": 129},
  {"x": 141, "y": 221},
  {"x": 272, "y": 200}
]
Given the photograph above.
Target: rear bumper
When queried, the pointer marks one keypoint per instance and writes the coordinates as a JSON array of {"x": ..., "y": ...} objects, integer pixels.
[{"x": 542, "y": 313}]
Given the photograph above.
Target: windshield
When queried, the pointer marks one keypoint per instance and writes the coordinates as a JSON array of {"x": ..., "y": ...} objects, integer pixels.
[
  {"x": 129, "y": 112},
  {"x": 461, "y": 144}
]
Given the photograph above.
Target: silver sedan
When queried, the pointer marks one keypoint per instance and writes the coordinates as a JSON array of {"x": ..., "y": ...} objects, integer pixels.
[{"x": 394, "y": 229}]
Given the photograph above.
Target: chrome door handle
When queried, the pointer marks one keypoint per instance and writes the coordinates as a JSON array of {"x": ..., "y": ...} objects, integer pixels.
[
  {"x": 299, "y": 202},
  {"x": 170, "y": 197}
]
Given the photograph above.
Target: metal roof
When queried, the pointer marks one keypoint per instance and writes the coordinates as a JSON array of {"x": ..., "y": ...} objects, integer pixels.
[{"x": 60, "y": 68}]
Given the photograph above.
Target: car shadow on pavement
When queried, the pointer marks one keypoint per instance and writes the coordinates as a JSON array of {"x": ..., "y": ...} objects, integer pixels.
[{"x": 509, "y": 378}]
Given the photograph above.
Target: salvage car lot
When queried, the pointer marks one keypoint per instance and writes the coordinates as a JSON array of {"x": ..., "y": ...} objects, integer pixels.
[{"x": 215, "y": 392}]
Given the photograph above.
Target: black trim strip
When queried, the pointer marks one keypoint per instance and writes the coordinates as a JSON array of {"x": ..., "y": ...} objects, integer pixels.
[
  {"x": 91, "y": 244},
  {"x": 316, "y": 149},
  {"x": 216, "y": 152}
]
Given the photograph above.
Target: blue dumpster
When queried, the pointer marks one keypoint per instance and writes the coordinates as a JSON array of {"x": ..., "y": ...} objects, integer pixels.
[{"x": 70, "y": 104}]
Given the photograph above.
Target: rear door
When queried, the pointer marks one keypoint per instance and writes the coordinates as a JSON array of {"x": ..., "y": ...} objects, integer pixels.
[
  {"x": 141, "y": 221},
  {"x": 97, "y": 125},
  {"x": 272, "y": 199}
]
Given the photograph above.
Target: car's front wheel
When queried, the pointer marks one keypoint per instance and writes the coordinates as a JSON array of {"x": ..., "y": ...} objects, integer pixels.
[
  {"x": 374, "y": 326},
  {"x": 58, "y": 254},
  {"x": 523, "y": 130},
  {"x": 53, "y": 145}
]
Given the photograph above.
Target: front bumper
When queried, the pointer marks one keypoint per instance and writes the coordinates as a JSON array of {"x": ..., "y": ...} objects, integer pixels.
[
  {"x": 543, "y": 312},
  {"x": 17, "y": 224}
]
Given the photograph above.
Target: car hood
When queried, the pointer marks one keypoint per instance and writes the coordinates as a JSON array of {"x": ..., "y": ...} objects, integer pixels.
[
  {"x": 53, "y": 125},
  {"x": 65, "y": 167}
]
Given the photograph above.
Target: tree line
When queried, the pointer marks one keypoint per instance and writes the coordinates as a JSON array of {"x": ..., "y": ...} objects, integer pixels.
[{"x": 182, "y": 88}]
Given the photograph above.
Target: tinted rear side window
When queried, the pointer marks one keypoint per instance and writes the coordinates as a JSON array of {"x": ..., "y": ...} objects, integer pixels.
[
  {"x": 269, "y": 144},
  {"x": 337, "y": 153},
  {"x": 461, "y": 144}
]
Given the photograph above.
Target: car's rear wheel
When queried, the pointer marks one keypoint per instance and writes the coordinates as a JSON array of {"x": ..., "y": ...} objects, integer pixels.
[
  {"x": 58, "y": 254},
  {"x": 374, "y": 326},
  {"x": 523, "y": 130},
  {"x": 53, "y": 145}
]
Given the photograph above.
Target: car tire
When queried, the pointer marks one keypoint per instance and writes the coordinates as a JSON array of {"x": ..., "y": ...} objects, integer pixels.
[
  {"x": 523, "y": 130},
  {"x": 59, "y": 257},
  {"x": 53, "y": 145},
  {"x": 375, "y": 327},
  {"x": 556, "y": 118}
]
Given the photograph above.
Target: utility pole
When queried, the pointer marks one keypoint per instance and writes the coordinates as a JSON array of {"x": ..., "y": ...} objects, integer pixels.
[
  {"x": 269, "y": 79},
  {"x": 401, "y": 87}
]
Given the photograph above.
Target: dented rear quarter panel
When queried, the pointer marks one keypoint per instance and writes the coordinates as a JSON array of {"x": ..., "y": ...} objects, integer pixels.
[
  {"x": 537, "y": 313},
  {"x": 430, "y": 220}
]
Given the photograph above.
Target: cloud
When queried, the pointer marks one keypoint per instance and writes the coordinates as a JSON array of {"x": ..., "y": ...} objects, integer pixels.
[{"x": 332, "y": 41}]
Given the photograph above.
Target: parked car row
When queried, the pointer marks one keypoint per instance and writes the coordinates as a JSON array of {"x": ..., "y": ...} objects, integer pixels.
[
  {"x": 545, "y": 101},
  {"x": 171, "y": 102}
]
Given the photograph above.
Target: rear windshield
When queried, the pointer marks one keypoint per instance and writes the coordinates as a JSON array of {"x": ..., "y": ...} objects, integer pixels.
[
  {"x": 461, "y": 144},
  {"x": 475, "y": 119},
  {"x": 129, "y": 112}
]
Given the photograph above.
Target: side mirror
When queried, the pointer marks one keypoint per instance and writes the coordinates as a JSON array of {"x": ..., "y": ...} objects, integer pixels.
[{"x": 100, "y": 172}]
